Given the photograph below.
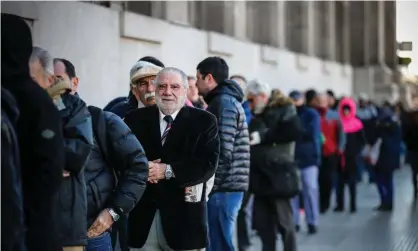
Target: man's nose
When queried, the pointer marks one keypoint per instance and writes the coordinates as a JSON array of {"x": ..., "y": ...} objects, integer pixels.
[
  {"x": 150, "y": 87},
  {"x": 167, "y": 91}
]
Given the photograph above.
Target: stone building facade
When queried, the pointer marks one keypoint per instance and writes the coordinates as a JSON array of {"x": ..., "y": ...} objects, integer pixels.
[{"x": 347, "y": 46}]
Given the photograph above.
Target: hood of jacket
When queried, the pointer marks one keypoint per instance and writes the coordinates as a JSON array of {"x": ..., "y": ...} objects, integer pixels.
[
  {"x": 350, "y": 123},
  {"x": 278, "y": 99},
  {"x": 16, "y": 49},
  {"x": 350, "y": 103},
  {"x": 227, "y": 87}
]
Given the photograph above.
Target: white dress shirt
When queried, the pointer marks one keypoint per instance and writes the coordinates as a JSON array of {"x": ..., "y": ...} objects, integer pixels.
[{"x": 163, "y": 123}]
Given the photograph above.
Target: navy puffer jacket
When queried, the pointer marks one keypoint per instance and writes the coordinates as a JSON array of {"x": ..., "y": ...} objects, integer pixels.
[
  {"x": 234, "y": 162},
  {"x": 128, "y": 161}
]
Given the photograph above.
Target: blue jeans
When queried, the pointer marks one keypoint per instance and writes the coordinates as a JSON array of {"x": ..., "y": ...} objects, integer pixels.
[
  {"x": 100, "y": 243},
  {"x": 223, "y": 210},
  {"x": 310, "y": 194}
]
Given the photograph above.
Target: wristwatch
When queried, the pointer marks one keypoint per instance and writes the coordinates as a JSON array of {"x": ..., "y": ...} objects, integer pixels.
[
  {"x": 114, "y": 215},
  {"x": 168, "y": 172}
]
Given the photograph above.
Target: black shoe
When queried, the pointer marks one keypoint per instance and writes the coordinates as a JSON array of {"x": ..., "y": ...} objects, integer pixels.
[
  {"x": 323, "y": 210},
  {"x": 353, "y": 210},
  {"x": 386, "y": 208},
  {"x": 338, "y": 209},
  {"x": 312, "y": 229},
  {"x": 297, "y": 228},
  {"x": 378, "y": 208}
]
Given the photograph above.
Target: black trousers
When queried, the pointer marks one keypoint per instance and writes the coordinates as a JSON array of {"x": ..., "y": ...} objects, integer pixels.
[
  {"x": 244, "y": 222},
  {"x": 325, "y": 180},
  {"x": 413, "y": 160},
  {"x": 347, "y": 176},
  {"x": 272, "y": 216}
]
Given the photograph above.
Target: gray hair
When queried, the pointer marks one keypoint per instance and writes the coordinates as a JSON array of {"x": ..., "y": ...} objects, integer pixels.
[
  {"x": 45, "y": 59},
  {"x": 256, "y": 87},
  {"x": 183, "y": 75}
]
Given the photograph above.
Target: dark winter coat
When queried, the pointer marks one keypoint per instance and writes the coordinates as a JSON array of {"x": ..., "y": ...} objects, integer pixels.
[
  {"x": 72, "y": 199},
  {"x": 124, "y": 107},
  {"x": 279, "y": 128},
  {"x": 39, "y": 132},
  {"x": 389, "y": 131},
  {"x": 12, "y": 213},
  {"x": 234, "y": 162},
  {"x": 308, "y": 146},
  {"x": 123, "y": 159}
]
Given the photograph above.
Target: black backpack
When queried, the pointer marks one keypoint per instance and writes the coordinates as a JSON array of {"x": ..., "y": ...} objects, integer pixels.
[{"x": 100, "y": 135}]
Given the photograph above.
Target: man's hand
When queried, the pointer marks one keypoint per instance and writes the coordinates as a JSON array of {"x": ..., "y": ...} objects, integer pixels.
[
  {"x": 65, "y": 174},
  {"x": 255, "y": 138},
  {"x": 156, "y": 171},
  {"x": 101, "y": 224}
]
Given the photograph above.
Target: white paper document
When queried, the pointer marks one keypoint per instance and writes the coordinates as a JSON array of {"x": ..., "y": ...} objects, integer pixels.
[{"x": 194, "y": 193}]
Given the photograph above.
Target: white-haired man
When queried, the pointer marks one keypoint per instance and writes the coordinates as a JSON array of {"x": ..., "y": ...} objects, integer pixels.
[
  {"x": 183, "y": 146},
  {"x": 274, "y": 179}
]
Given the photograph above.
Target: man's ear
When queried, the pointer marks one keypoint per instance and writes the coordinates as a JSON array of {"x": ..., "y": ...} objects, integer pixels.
[
  {"x": 210, "y": 78},
  {"x": 74, "y": 84},
  {"x": 51, "y": 80}
]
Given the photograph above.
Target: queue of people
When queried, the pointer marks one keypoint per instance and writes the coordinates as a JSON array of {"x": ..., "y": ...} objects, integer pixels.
[{"x": 182, "y": 159}]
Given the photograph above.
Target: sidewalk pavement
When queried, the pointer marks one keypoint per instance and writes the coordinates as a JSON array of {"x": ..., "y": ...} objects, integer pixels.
[{"x": 367, "y": 230}]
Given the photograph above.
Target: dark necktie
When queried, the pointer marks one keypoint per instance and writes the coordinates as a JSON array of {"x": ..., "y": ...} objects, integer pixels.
[{"x": 169, "y": 121}]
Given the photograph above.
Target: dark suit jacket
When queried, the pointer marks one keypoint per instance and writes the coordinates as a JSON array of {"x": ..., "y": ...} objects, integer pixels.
[{"x": 192, "y": 150}]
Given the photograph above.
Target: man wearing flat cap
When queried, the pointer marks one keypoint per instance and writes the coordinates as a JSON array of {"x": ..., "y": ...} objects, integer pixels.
[{"x": 143, "y": 91}]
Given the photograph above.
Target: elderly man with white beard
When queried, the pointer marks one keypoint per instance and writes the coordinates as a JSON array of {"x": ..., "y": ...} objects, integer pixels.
[{"x": 182, "y": 144}]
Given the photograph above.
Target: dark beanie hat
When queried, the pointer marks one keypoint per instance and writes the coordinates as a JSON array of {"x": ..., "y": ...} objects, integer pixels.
[{"x": 295, "y": 95}]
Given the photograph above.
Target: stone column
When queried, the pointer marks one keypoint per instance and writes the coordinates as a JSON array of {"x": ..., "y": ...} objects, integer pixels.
[
  {"x": 240, "y": 19},
  {"x": 331, "y": 31},
  {"x": 229, "y": 17},
  {"x": 381, "y": 32},
  {"x": 391, "y": 57},
  {"x": 372, "y": 34},
  {"x": 273, "y": 23},
  {"x": 310, "y": 13},
  {"x": 346, "y": 32},
  {"x": 281, "y": 26},
  {"x": 176, "y": 11}
]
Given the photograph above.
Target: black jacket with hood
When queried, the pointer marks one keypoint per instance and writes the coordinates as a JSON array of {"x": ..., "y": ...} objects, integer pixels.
[
  {"x": 78, "y": 136},
  {"x": 232, "y": 174},
  {"x": 39, "y": 134}
]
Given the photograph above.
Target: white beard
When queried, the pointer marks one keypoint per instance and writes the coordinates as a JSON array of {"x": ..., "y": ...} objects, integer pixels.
[
  {"x": 259, "y": 107},
  {"x": 170, "y": 109}
]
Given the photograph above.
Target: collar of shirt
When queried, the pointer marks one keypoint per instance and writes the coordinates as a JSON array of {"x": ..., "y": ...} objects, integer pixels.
[
  {"x": 140, "y": 104},
  {"x": 163, "y": 123}
]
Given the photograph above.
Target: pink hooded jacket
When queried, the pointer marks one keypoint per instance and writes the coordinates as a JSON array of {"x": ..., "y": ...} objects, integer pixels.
[{"x": 350, "y": 123}]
